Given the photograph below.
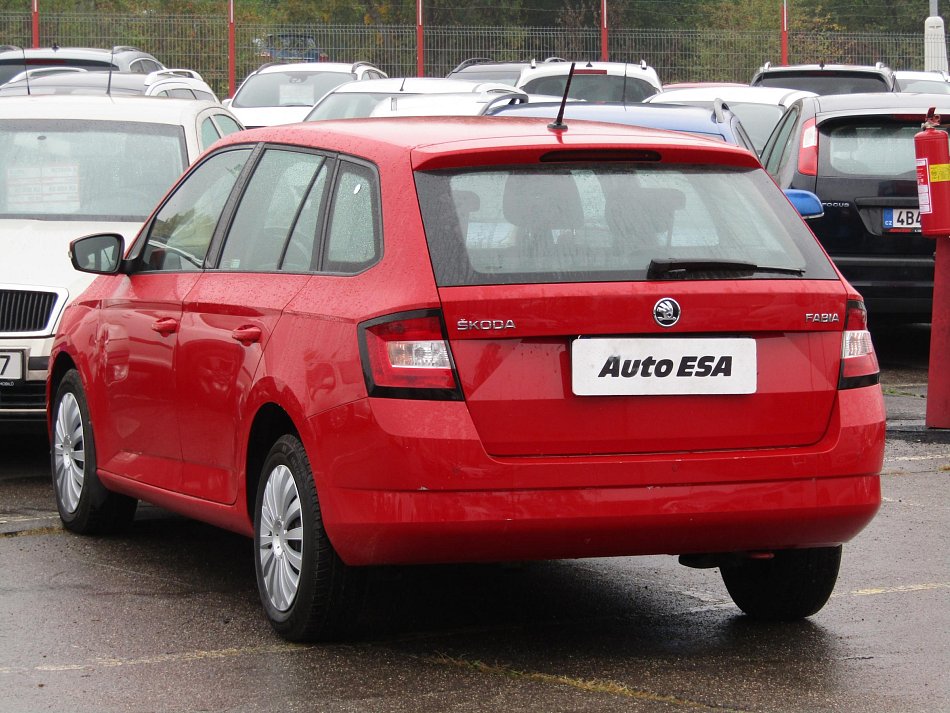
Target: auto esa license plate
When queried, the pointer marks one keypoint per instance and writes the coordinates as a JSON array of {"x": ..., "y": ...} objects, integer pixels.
[
  {"x": 901, "y": 220},
  {"x": 657, "y": 367},
  {"x": 11, "y": 366}
]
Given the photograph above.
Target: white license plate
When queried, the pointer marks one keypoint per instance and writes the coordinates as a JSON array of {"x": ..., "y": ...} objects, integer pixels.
[
  {"x": 11, "y": 366},
  {"x": 901, "y": 220},
  {"x": 658, "y": 367}
]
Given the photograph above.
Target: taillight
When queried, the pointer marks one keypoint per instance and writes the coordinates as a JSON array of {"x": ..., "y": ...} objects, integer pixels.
[
  {"x": 858, "y": 361},
  {"x": 808, "y": 151},
  {"x": 407, "y": 356}
]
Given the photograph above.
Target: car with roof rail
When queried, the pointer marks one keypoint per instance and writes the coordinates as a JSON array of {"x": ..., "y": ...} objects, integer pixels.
[
  {"x": 593, "y": 81},
  {"x": 483, "y": 69},
  {"x": 179, "y": 83},
  {"x": 716, "y": 122},
  {"x": 758, "y": 108},
  {"x": 822, "y": 78},
  {"x": 856, "y": 152},
  {"x": 284, "y": 93},
  {"x": 358, "y": 99},
  {"x": 405, "y": 341},
  {"x": 14, "y": 60},
  {"x": 74, "y": 165}
]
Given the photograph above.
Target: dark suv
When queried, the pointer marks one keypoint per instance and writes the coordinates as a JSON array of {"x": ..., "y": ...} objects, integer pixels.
[
  {"x": 856, "y": 152},
  {"x": 827, "y": 78}
]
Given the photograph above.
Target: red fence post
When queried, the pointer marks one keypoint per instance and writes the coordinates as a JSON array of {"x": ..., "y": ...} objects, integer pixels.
[
  {"x": 36, "y": 23},
  {"x": 603, "y": 31},
  {"x": 420, "y": 42},
  {"x": 232, "y": 48}
]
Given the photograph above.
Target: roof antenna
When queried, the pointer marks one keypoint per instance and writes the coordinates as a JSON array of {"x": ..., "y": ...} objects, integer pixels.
[
  {"x": 26, "y": 72},
  {"x": 559, "y": 124},
  {"x": 111, "y": 65}
]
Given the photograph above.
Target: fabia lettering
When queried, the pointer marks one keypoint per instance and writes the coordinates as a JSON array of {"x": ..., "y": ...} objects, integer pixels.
[{"x": 649, "y": 367}]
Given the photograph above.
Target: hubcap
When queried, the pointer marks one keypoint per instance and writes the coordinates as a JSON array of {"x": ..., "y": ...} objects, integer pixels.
[
  {"x": 69, "y": 453},
  {"x": 281, "y": 538}
]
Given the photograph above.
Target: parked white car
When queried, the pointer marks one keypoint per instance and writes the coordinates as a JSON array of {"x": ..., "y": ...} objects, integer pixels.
[
  {"x": 453, "y": 104},
  {"x": 178, "y": 83},
  {"x": 927, "y": 82},
  {"x": 758, "y": 108},
  {"x": 75, "y": 165},
  {"x": 355, "y": 100},
  {"x": 593, "y": 81},
  {"x": 285, "y": 93}
]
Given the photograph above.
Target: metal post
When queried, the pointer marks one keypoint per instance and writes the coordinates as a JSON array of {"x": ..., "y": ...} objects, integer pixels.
[
  {"x": 36, "y": 23},
  {"x": 232, "y": 50},
  {"x": 603, "y": 31},
  {"x": 420, "y": 42},
  {"x": 784, "y": 32},
  {"x": 938, "y": 373}
]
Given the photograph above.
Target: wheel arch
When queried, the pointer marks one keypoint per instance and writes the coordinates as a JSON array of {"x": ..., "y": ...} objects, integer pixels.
[
  {"x": 62, "y": 364},
  {"x": 270, "y": 423}
]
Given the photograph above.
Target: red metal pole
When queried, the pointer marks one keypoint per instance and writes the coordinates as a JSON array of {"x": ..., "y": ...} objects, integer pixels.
[
  {"x": 603, "y": 31},
  {"x": 36, "y": 23},
  {"x": 784, "y": 32},
  {"x": 232, "y": 49},
  {"x": 938, "y": 375},
  {"x": 420, "y": 42}
]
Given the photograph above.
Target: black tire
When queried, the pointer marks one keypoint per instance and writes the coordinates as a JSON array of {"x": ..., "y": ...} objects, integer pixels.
[
  {"x": 318, "y": 598},
  {"x": 792, "y": 585},
  {"x": 85, "y": 505}
]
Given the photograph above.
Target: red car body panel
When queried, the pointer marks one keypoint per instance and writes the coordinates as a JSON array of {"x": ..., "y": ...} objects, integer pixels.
[{"x": 521, "y": 468}]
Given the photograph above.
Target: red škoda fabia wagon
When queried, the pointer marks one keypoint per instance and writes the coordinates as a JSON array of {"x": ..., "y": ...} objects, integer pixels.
[{"x": 477, "y": 339}]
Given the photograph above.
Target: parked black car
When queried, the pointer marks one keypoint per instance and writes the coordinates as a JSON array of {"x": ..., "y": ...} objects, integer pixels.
[{"x": 856, "y": 152}]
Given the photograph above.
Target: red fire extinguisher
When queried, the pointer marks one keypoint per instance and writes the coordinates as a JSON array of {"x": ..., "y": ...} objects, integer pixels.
[{"x": 932, "y": 147}]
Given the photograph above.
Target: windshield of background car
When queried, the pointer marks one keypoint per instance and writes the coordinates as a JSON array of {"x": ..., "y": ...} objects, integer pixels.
[
  {"x": 593, "y": 87},
  {"x": 822, "y": 82},
  {"x": 287, "y": 88},
  {"x": 348, "y": 105},
  {"x": 757, "y": 119},
  {"x": 607, "y": 222},
  {"x": 69, "y": 169},
  {"x": 873, "y": 148}
]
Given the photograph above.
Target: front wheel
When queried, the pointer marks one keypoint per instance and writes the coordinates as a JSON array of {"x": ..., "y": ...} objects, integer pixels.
[
  {"x": 307, "y": 591},
  {"x": 792, "y": 585},
  {"x": 84, "y": 504}
]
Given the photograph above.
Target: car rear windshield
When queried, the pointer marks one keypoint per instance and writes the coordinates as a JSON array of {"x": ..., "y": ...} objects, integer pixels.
[
  {"x": 96, "y": 170},
  {"x": 349, "y": 105},
  {"x": 9, "y": 68},
  {"x": 287, "y": 88},
  {"x": 873, "y": 149},
  {"x": 593, "y": 87},
  {"x": 550, "y": 223},
  {"x": 824, "y": 82}
]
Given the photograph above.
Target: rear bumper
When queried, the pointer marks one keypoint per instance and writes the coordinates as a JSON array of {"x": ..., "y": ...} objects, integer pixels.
[{"x": 423, "y": 490}]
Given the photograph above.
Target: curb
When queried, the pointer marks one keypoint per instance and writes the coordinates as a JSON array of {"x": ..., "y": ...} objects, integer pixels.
[{"x": 916, "y": 430}]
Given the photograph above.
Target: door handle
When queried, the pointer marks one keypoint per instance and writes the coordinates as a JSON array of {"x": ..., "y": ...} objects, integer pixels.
[
  {"x": 165, "y": 326},
  {"x": 247, "y": 335}
]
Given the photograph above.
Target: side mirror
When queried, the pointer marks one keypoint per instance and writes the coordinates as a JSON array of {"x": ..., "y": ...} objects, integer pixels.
[
  {"x": 99, "y": 254},
  {"x": 226, "y": 102},
  {"x": 806, "y": 203}
]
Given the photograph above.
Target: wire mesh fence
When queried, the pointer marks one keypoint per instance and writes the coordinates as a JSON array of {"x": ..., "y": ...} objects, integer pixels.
[{"x": 201, "y": 43}]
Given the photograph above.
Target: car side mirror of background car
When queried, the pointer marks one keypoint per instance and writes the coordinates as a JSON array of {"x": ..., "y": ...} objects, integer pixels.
[
  {"x": 806, "y": 203},
  {"x": 100, "y": 254},
  {"x": 226, "y": 102}
]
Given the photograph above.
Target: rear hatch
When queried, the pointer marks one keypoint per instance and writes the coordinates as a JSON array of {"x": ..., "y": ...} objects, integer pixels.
[
  {"x": 867, "y": 184},
  {"x": 633, "y": 308}
]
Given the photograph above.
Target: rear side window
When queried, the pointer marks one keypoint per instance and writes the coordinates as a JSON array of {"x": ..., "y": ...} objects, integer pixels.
[
  {"x": 544, "y": 224},
  {"x": 882, "y": 149},
  {"x": 353, "y": 236}
]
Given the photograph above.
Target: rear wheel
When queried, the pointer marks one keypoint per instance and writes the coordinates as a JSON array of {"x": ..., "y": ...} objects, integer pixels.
[
  {"x": 792, "y": 585},
  {"x": 307, "y": 591},
  {"x": 84, "y": 504}
]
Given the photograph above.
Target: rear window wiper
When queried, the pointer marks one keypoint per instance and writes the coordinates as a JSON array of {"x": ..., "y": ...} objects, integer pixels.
[{"x": 672, "y": 268}]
